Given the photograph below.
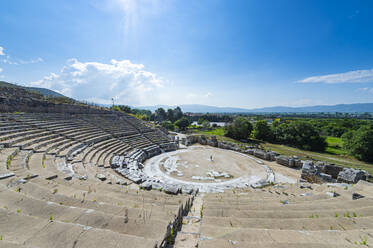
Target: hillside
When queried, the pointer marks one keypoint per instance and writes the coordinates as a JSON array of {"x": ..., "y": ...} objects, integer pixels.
[
  {"x": 14, "y": 98},
  {"x": 43, "y": 91}
]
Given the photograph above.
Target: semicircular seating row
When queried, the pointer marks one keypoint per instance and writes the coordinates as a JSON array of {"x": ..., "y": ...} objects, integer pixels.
[
  {"x": 56, "y": 190},
  {"x": 284, "y": 215}
]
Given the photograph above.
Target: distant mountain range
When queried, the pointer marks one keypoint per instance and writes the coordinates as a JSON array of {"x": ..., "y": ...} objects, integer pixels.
[
  {"x": 343, "y": 108},
  {"x": 198, "y": 108}
]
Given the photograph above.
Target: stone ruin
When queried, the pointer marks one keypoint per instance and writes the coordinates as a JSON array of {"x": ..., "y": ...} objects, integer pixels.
[
  {"x": 311, "y": 171},
  {"x": 332, "y": 173},
  {"x": 131, "y": 166}
]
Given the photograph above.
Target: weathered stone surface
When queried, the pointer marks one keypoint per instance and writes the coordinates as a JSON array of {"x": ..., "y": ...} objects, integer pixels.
[
  {"x": 332, "y": 194},
  {"x": 305, "y": 186},
  {"x": 308, "y": 169},
  {"x": 83, "y": 177},
  {"x": 16, "y": 183},
  {"x": 325, "y": 177},
  {"x": 51, "y": 177},
  {"x": 146, "y": 185},
  {"x": 101, "y": 177},
  {"x": 333, "y": 170},
  {"x": 121, "y": 182},
  {"x": 68, "y": 178},
  {"x": 356, "y": 196},
  {"x": 6, "y": 175},
  {"x": 260, "y": 184},
  {"x": 171, "y": 189},
  {"x": 31, "y": 176},
  {"x": 350, "y": 175}
]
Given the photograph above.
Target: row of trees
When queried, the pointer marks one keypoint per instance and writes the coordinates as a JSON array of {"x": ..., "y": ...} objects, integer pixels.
[
  {"x": 303, "y": 134},
  {"x": 142, "y": 114},
  {"x": 171, "y": 118},
  {"x": 168, "y": 119},
  {"x": 336, "y": 127},
  {"x": 299, "y": 133}
]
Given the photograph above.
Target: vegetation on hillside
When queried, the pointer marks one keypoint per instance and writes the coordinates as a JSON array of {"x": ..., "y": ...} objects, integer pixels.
[
  {"x": 335, "y": 140},
  {"x": 359, "y": 143}
]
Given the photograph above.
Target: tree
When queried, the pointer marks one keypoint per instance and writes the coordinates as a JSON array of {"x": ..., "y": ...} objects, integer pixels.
[
  {"x": 171, "y": 115},
  {"x": 262, "y": 131},
  {"x": 160, "y": 115},
  {"x": 359, "y": 143},
  {"x": 182, "y": 123},
  {"x": 205, "y": 124},
  {"x": 300, "y": 134},
  {"x": 125, "y": 108},
  {"x": 240, "y": 128},
  {"x": 178, "y": 113}
]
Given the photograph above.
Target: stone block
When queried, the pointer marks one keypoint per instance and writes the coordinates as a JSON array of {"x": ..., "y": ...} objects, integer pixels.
[{"x": 350, "y": 175}]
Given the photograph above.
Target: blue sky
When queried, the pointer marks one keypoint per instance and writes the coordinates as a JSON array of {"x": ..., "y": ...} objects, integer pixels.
[{"x": 225, "y": 53}]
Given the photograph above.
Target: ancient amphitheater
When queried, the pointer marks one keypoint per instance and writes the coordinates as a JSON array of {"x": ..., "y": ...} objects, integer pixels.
[{"x": 110, "y": 180}]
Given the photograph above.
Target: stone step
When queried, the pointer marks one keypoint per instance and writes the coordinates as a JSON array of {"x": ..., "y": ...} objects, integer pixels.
[
  {"x": 140, "y": 226},
  {"x": 6, "y": 157},
  {"x": 149, "y": 211},
  {"x": 235, "y": 237},
  {"x": 32, "y": 231},
  {"x": 332, "y": 203},
  {"x": 312, "y": 224},
  {"x": 353, "y": 211}
]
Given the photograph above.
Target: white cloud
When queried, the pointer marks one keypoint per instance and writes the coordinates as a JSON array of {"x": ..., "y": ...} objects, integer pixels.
[
  {"x": 358, "y": 76},
  {"x": 11, "y": 61},
  {"x": 1, "y": 69},
  {"x": 31, "y": 61},
  {"x": 124, "y": 81},
  {"x": 366, "y": 89}
]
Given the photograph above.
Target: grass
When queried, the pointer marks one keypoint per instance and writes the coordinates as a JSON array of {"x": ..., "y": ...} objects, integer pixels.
[
  {"x": 334, "y": 145},
  {"x": 8, "y": 161},
  {"x": 43, "y": 161}
]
